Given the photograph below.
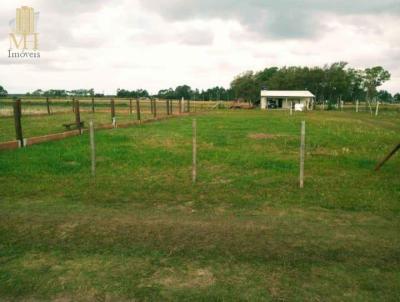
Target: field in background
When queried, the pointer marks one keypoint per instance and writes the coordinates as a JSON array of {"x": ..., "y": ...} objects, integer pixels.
[
  {"x": 36, "y": 121},
  {"x": 245, "y": 231}
]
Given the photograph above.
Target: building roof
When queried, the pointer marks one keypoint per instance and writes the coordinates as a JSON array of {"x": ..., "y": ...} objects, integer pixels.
[{"x": 287, "y": 93}]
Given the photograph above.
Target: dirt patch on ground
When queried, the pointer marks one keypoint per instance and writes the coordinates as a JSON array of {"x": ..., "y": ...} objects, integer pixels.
[
  {"x": 191, "y": 277},
  {"x": 263, "y": 136}
]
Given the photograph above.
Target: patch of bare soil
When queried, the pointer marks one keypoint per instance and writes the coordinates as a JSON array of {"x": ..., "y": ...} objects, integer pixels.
[{"x": 189, "y": 278}]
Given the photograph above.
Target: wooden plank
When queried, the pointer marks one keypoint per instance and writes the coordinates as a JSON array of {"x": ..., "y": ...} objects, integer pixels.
[
  {"x": 51, "y": 137},
  {"x": 9, "y": 145}
]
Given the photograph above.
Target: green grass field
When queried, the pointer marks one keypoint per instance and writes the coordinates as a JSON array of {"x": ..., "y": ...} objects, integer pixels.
[
  {"x": 36, "y": 121},
  {"x": 245, "y": 231}
]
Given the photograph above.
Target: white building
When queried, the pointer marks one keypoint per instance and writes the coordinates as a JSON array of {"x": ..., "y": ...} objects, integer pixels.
[{"x": 271, "y": 99}]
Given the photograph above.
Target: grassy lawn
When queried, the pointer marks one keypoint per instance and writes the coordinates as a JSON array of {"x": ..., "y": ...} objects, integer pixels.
[
  {"x": 36, "y": 121},
  {"x": 245, "y": 231}
]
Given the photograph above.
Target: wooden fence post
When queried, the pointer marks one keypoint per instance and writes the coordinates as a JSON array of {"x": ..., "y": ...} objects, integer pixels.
[
  {"x": 194, "y": 151},
  {"x": 180, "y": 106},
  {"x": 167, "y": 104},
  {"x": 188, "y": 105},
  {"x": 93, "y": 105},
  {"x": 112, "y": 104},
  {"x": 302, "y": 152},
  {"x": 138, "y": 110},
  {"x": 73, "y": 104},
  {"x": 48, "y": 106},
  {"x": 92, "y": 148},
  {"x": 155, "y": 109},
  {"x": 356, "y": 105},
  {"x": 17, "y": 122},
  {"x": 130, "y": 106},
  {"x": 151, "y": 106},
  {"x": 78, "y": 116},
  {"x": 171, "y": 109}
]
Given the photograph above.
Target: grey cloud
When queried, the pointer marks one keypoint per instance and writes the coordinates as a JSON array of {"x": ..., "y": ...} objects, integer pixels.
[
  {"x": 196, "y": 37},
  {"x": 271, "y": 18},
  {"x": 71, "y": 7}
]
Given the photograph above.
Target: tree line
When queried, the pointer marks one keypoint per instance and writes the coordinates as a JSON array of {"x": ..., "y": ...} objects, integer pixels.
[{"x": 329, "y": 82}]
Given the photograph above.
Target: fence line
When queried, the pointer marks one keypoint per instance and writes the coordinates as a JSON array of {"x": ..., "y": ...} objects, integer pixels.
[{"x": 88, "y": 108}]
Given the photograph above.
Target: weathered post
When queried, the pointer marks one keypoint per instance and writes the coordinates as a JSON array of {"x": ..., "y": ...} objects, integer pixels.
[
  {"x": 73, "y": 104},
  {"x": 17, "y": 122},
  {"x": 291, "y": 108},
  {"x": 112, "y": 105},
  {"x": 93, "y": 105},
  {"x": 152, "y": 106},
  {"x": 92, "y": 148},
  {"x": 155, "y": 109},
  {"x": 138, "y": 109},
  {"x": 302, "y": 152},
  {"x": 171, "y": 103},
  {"x": 188, "y": 105},
  {"x": 194, "y": 151},
  {"x": 180, "y": 106},
  {"x": 78, "y": 116},
  {"x": 377, "y": 108},
  {"x": 48, "y": 106},
  {"x": 167, "y": 104},
  {"x": 356, "y": 105},
  {"x": 130, "y": 106}
]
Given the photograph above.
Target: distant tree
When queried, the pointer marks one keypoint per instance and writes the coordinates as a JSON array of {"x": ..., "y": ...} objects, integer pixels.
[
  {"x": 396, "y": 98},
  {"x": 55, "y": 93},
  {"x": 122, "y": 93},
  {"x": 3, "y": 92},
  {"x": 373, "y": 78},
  {"x": 183, "y": 91},
  {"x": 384, "y": 96},
  {"x": 38, "y": 92},
  {"x": 245, "y": 87},
  {"x": 168, "y": 94}
]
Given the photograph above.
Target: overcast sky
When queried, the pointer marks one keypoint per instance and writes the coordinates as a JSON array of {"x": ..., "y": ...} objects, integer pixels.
[{"x": 154, "y": 44}]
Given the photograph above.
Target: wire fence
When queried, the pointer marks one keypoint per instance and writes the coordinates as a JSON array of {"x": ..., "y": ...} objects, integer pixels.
[{"x": 45, "y": 116}]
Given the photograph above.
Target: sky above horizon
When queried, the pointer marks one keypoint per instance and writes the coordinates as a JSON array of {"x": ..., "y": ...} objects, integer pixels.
[{"x": 149, "y": 44}]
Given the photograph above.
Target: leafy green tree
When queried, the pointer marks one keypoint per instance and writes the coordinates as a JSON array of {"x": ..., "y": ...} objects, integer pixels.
[
  {"x": 384, "y": 96},
  {"x": 245, "y": 87},
  {"x": 3, "y": 92},
  {"x": 396, "y": 98},
  {"x": 375, "y": 77},
  {"x": 183, "y": 91}
]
